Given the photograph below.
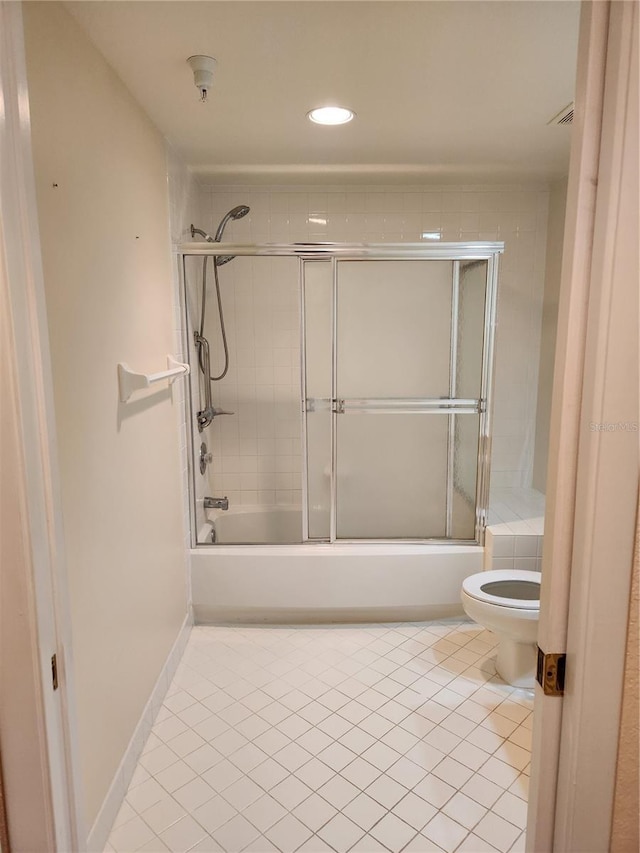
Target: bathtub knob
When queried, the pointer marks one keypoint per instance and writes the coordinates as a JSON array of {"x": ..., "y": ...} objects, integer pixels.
[{"x": 205, "y": 458}]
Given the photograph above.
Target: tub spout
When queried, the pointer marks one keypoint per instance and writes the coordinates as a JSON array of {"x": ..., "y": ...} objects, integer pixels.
[{"x": 216, "y": 503}]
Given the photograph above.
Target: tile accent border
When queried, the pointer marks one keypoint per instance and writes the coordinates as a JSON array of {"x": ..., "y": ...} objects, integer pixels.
[{"x": 101, "y": 828}]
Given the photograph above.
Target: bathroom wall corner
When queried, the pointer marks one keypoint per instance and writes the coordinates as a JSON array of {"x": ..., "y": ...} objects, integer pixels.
[
  {"x": 547, "y": 348},
  {"x": 184, "y": 209},
  {"x": 117, "y": 790}
]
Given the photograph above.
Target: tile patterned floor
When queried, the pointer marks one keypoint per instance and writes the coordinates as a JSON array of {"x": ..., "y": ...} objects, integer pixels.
[{"x": 364, "y": 738}]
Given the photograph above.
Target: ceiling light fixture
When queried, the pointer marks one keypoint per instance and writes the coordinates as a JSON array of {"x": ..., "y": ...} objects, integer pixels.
[{"x": 330, "y": 115}]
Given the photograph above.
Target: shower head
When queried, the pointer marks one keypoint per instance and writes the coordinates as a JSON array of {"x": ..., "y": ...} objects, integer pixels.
[{"x": 236, "y": 213}]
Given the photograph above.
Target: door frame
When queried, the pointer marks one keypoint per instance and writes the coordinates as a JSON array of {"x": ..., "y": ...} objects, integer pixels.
[
  {"x": 593, "y": 472},
  {"x": 36, "y": 498}
]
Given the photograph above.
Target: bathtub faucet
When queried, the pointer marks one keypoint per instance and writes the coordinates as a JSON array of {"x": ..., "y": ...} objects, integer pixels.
[{"x": 216, "y": 503}]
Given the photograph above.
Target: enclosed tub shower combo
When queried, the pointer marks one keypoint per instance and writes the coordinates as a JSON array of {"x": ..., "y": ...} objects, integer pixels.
[{"x": 341, "y": 408}]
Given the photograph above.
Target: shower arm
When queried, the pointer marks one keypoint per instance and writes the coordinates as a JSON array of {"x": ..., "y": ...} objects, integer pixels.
[{"x": 206, "y": 415}]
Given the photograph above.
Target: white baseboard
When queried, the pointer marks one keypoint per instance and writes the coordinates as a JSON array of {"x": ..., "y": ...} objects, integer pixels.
[
  {"x": 208, "y": 615},
  {"x": 100, "y": 830}
]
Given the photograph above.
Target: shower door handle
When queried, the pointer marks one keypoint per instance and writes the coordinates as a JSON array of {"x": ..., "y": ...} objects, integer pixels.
[{"x": 407, "y": 406}]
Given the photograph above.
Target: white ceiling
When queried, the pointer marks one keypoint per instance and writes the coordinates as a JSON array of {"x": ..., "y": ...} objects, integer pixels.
[{"x": 442, "y": 90}]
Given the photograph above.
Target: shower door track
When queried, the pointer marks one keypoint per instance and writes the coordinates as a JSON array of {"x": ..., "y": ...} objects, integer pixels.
[
  {"x": 474, "y": 251},
  {"x": 335, "y": 252}
]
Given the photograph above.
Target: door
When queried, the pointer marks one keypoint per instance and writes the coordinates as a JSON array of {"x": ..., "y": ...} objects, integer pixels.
[
  {"x": 593, "y": 457},
  {"x": 397, "y": 367}
]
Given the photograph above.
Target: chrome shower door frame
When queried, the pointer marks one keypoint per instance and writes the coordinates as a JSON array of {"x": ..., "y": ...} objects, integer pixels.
[
  {"x": 333, "y": 253},
  {"x": 455, "y": 252}
]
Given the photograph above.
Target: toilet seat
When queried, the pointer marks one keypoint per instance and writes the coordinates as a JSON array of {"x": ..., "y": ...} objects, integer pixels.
[{"x": 473, "y": 587}]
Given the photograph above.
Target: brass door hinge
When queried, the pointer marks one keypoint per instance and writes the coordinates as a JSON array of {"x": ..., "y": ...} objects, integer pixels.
[
  {"x": 54, "y": 671},
  {"x": 550, "y": 672}
]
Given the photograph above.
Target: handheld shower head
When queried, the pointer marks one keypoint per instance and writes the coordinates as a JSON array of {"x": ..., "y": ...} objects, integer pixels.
[{"x": 236, "y": 213}]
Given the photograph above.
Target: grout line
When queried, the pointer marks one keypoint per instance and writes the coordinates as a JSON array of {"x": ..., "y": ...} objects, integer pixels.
[{"x": 347, "y": 676}]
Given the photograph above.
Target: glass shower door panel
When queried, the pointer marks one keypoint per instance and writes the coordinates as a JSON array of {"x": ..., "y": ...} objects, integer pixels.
[
  {"x": 393, "y": 329},
  {"x": 466, "y": 436},
  {"x": 472, "y": 286},
  {"x": 318, "y": 319},
  {"x": 391, "y": 476}
]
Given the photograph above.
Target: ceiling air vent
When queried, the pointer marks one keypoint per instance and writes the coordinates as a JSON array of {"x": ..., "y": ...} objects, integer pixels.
[{"x": 565, "y": 116}]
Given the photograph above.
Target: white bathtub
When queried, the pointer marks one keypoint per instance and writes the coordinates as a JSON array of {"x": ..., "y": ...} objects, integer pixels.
[
  {"x": 261, "y": 525},
  {"x": 320, "y": 583}
]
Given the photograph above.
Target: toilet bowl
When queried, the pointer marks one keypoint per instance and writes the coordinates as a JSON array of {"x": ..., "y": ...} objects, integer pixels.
[{"x": 508, "y": 603}]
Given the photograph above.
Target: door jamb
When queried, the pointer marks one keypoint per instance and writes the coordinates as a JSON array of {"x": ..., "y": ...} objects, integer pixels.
[
  {"x": 572, "y": 786},
  {"x": 34, "y": 389}
]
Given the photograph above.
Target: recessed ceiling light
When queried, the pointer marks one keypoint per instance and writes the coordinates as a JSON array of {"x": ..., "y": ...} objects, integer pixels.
[{"x": 330, "y": 115}]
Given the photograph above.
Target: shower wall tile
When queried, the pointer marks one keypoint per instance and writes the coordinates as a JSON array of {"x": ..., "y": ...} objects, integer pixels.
[
  {"x": 262, "y": 317},
  {"x": 503, "y": 549},
  {"x": 256, "y": 449},
  {"x": 529, "y": 564}
]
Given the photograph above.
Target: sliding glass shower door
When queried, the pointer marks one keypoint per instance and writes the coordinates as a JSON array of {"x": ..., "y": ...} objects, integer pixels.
[
  {"x": 397, "y": 359},
  {"x": 356, "y": 406}
]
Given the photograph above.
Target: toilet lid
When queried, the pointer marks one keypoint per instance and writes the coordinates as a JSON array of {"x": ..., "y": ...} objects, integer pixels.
[{"x": 506, "y": 588}]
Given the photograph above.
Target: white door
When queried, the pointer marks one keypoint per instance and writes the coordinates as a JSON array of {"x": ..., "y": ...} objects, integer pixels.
[{"x": 593, "y": 455}]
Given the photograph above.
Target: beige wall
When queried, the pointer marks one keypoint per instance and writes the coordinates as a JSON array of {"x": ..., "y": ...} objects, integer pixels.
[
  {"x": 102, "y": 194},
  {"x": 555, "y": 237}
]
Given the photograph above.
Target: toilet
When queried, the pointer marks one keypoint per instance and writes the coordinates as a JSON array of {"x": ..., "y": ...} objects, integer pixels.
[{"x": 507, "y": 602}]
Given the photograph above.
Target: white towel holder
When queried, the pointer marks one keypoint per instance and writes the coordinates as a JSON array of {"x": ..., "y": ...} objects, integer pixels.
[{"x": 130, "y": 381}]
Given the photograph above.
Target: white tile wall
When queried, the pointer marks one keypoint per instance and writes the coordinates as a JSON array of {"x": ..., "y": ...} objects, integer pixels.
[
  {"x": 515, "y": 535},
  {"x": 256, "y": 311},
  {"x": 257, "y": 450}
]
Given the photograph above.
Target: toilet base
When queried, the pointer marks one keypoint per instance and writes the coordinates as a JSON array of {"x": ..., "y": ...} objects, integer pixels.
[{"x": 516, "y": 663}]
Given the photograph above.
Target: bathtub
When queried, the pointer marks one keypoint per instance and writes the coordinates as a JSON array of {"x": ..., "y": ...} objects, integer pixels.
[
  {"x": 255, "y": 525},
  {"x": 321, "y": 582}
]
